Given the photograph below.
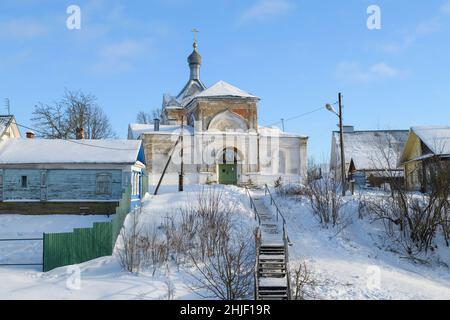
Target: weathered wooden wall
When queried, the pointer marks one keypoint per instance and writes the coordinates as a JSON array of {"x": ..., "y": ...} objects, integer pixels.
[{"x": 59, "y": 185}]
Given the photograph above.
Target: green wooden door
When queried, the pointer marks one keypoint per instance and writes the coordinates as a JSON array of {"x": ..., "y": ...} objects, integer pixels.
[{"x": 227, "y": 174}]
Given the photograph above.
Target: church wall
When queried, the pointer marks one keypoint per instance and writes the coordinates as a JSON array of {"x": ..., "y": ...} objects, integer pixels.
[
  {"x": 200, "y": 163},
  {"x": 173, "y": 116},
  {"x": 207, "y": 109}
]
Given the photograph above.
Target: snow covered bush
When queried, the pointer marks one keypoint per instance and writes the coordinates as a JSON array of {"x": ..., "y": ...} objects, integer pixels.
[
  {"x": 129, "y": 252},
  {"x": 221, "y": 253},
  {"x": 227, "y": 272},
  {"x": 303, "y": 282},
  {"x": 139, "y": 247},
  {"x": 325, "y": 200},
  {"x": 413, "y": 220}
]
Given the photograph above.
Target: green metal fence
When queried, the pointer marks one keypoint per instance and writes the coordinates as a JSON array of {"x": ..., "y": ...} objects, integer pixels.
[{"x": 81, "y": 245}]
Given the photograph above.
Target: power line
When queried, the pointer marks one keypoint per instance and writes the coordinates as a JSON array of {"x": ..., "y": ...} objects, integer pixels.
[
  {"x": 299, "y": 116},
  {"x": 75, "y": 141}
]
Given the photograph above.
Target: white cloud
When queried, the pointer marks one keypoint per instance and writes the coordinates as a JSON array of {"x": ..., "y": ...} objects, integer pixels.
[
  {"x": 119, "y": 57},
  {"x": 266, "y": 9},
  {"x": 353, "y": 72},
  {"x": 22, "y": 28},
  {"x": 422, "y": 29}
]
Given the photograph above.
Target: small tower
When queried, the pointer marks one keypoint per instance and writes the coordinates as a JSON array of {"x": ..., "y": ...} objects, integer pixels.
[{"x": 195, "y": 60}]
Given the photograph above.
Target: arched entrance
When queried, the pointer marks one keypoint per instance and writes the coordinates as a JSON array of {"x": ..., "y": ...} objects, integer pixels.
[{"x": 228, "y": 166}]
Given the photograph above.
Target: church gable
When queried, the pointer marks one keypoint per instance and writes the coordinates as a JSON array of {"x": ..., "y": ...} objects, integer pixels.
[{"x": 226, "y": 121}]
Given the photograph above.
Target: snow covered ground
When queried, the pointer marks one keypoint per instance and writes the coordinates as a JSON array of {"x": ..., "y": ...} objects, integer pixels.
[
  {"x": 32, "y": 227},
  {"x": 346, "y": 264},
  {"x": 104, "y": 278},
  {"x": 355, "y": 263}
]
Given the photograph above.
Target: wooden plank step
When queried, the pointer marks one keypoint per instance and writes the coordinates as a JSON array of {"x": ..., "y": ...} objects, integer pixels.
[
  {"x": 273, "y": 297},
  {"x": 271, "y": 257},
  {"x": 276, "y": 272},
  {"x": 272, "y": 292},
  {"x": 272, "y": 264},
  {"x": 272, "y": 252},
  {"x": 272, "y": 275},
  {"x": 269, "y": 269}
]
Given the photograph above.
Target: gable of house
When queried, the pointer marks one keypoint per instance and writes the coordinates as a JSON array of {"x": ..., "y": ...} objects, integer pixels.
[{"x": 8, "y": 128}]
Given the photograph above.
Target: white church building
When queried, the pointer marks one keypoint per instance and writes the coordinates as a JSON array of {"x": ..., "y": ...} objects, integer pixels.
[{"x": 212, "y": 135}]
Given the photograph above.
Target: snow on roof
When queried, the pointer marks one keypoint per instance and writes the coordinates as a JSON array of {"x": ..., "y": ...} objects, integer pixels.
[
  {"x": 372, "y": 150},
  {"x": 4, "y": 121},
  {"x": 436, "y": 138},
  {"x": 42, "y": 151},
  {"x": 276, "y": 132},
  {"x": 137, "y": 130},
  {"x": 224, "y": 89}
]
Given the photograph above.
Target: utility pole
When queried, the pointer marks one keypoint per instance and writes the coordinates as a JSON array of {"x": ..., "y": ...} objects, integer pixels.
[
  {"x": 282, "y": 124},
  {"x": 341, "y": 133},
  {"x": 180, "y": 179}
]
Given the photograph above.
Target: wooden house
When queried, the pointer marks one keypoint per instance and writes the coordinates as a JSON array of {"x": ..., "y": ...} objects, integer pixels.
[
  {"x": 426, "y": 145},
  {"x": 371, "y": 156},
  {"x": 40, "y": 176},
  {"x": 8, "y": 128}
]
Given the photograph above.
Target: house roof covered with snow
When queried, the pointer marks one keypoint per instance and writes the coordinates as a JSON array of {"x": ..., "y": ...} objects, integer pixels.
[
  {"x": 136, "y": 130},
  {"x": 436, "y": 138},
  {"x": 277, "y": 132},
  {"x": 46, "y": 151},
  {"x": 224, "y": 89},
  {"x": 371, "y": 150}
]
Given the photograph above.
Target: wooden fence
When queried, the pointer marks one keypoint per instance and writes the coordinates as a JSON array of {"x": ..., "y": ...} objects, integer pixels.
[{"x": 81, "y": 245}]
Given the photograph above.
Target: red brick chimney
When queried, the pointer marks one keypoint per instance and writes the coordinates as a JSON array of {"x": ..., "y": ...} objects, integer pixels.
[
  {"x": 30, "y": 134},
  {"x": 80, "y": 133}
]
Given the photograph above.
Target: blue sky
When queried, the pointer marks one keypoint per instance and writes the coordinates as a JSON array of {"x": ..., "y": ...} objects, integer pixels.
[{"x": 295, "y": 55}]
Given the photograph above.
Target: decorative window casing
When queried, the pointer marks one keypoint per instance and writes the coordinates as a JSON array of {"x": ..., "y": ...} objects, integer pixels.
[{"x": 104, "y": 184}]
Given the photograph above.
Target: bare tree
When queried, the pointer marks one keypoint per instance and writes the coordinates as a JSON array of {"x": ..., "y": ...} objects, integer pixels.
[
  {"x": 75, "y": 110},
  {"x": 129, "y": 254},
  {"x": 303, "y": 281},
  {"x": 325, "y": 200},
  {"x": 385, "y": 160},
  {"x": 412, "y": 220},
  {"x": 148, "y": 118},
  {"x": 144, "y": 118},
  {"x": 227, "y": 273}
]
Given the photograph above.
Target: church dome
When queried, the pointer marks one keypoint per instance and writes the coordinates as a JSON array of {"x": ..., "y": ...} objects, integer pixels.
[{"x": 195, "y": 57}]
